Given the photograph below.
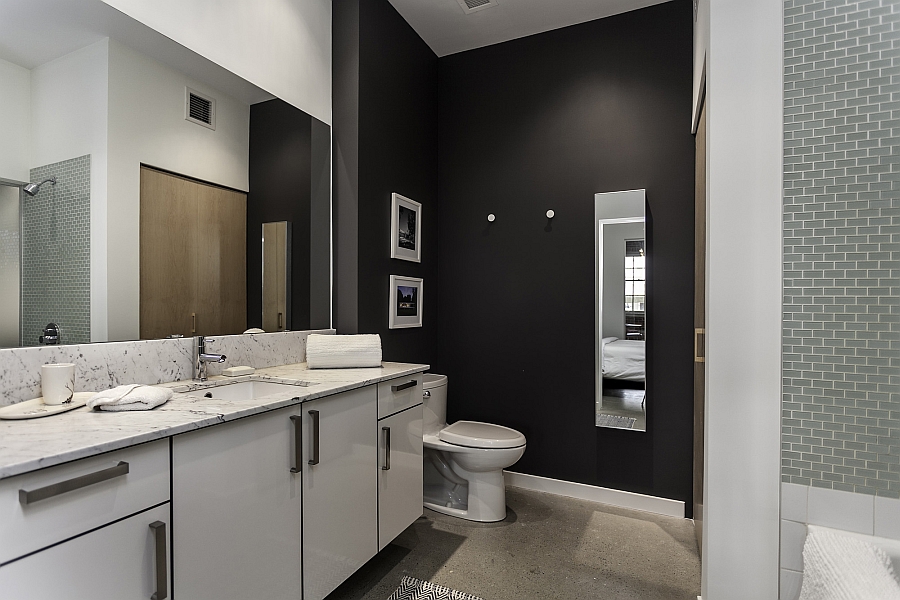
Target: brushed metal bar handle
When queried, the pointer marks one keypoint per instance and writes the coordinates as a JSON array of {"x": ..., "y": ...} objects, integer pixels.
[
  {"x": 404, "y": 386},
  {"x": 297, "y": 420},
  {"x": 699, "y": 345},
  {"x": 387, "y": 449},
  {"x": 69, "y": 485},
  {"x": 162, "y": 591},
  {"x": 193, "y": 322},
  {"x": 314, "y": 414},
  {"x": 280, "y": 315}
]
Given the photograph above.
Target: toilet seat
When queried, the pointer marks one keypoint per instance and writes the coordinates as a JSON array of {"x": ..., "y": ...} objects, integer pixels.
[{"x": 473, "y": 434}]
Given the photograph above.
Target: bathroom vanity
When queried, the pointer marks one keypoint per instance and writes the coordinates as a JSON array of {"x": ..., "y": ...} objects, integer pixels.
[{"x": 276, "y": 485}]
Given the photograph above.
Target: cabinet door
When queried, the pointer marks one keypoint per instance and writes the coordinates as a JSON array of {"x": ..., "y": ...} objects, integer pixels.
[
  {"x": 238, "y": 507},
  {"x": 399, "y": 473},
  {"x": 117, "y": 561},
  {"x": 340, "y": 506}
]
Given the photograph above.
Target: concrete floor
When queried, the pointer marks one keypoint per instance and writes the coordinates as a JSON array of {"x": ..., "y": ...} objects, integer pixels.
[
  {"x": 625, "y": 403},
  {"x": 548, "y": 547}
]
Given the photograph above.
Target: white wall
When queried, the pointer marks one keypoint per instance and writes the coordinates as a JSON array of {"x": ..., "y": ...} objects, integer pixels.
[
  {"x": 613, "y": 309},
  {"x": 69, "y": 119},
  {"x": 744, "y": 103},
  {"x": 282, "y": 46},
  {"x": 147, "y": 125},
  {"x": 15, "y": 115},
  {"x": 9, "y": 266}
]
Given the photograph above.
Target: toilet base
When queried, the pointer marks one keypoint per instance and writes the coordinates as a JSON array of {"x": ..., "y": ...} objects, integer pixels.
[
  {"x": 481, "y": 498},
  {"x": 461, "y": 513}
]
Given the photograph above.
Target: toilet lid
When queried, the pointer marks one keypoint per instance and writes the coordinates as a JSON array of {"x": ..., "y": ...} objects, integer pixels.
[{"x": 473, "y": 434}]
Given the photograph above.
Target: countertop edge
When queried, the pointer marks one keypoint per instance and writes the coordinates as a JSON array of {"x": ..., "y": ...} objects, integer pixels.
[{"x": 309, "y": 393}]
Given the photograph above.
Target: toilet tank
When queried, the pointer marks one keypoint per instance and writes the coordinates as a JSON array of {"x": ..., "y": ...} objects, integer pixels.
[{"x": 435, "y": 401}]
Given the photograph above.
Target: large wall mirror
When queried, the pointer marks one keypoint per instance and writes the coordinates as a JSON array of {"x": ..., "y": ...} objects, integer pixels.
[
  {"x": 621, "y": 304},
  {"x": 135, "y": 178}
]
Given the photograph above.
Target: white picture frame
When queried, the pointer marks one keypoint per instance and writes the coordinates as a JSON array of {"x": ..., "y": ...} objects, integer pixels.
[
  {"x": 406, "y": 214},
  {"x": 405, "y": 291}
]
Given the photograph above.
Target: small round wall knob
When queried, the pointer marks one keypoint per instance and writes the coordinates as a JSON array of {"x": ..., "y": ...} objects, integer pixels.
[
  {"x": 550, "y": 214},
  {"x": 491, "y": 218}
]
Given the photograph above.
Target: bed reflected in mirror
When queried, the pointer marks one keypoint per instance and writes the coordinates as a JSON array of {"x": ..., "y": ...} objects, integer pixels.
[{"x": 621, "y": 302}]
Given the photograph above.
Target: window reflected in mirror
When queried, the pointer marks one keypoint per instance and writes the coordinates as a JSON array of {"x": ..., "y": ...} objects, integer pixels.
[{"x": 635, "y": 282}]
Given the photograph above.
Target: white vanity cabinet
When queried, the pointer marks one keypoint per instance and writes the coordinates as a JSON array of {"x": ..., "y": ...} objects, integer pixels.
[
  {"x": 283, "y": 504},
  {"x": 340, "y": 463},
  {"x": 91, "y": 528},
  {"x": 236, "y": 497}
]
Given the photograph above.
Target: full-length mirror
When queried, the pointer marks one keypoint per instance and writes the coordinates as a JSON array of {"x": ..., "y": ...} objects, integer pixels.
[
  {"x": 135, "y": 176},
  {"x": 276, "y": 250},
  {"x": 621, "y": 302}
]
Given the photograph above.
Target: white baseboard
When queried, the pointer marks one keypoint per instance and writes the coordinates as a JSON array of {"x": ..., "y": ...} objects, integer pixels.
[{"x": 653, "y": 504}]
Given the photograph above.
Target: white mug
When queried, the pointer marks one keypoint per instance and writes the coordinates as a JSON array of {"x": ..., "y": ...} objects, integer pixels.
[{"x": 58, "y": 382}]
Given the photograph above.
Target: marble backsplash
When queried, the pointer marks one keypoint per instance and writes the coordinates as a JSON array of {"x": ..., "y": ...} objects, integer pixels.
[{"x": 103, "y": 366}]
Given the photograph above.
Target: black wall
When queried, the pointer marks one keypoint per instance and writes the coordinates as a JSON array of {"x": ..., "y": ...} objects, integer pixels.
[
  {"x": 280, "y": 183},
  {"x": 345, "y": 158},
  {"x": 391, "y": 128},
  {"x": 545, "y": 122}
]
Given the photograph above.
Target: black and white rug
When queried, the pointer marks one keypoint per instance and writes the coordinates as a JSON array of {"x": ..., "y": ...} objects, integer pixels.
[
  {"x": 416, "y": 589},
  {"x": 615, "y": 421}
]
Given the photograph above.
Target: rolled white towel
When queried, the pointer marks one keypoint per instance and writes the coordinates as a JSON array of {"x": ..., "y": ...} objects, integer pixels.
[
  {"x": 130, "y": 397},
  {"x": 840, "y": 567},
  {"x": 343, "y": 351}
]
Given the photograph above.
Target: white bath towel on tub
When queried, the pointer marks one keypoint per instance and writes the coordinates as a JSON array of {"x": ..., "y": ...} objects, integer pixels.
[
  {"x": 841, "y": 567},
  {"x": 343, "y": 351},
  {"x": 130, "y": 397}
]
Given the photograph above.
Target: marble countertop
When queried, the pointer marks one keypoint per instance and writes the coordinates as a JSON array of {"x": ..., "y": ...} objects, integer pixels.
[{"x": 33, "y": 444}]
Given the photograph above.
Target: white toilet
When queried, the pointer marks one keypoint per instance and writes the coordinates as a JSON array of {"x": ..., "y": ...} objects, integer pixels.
[{"x": 464, "y": 461}]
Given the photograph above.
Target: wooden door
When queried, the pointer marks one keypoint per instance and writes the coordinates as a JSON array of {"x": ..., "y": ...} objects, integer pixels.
[
  {"x": 168, "y": 243},
  {"x": 222, "y": 261},
  {"x": 193, "y": 257},
  {"x": 699, "y": 321}
]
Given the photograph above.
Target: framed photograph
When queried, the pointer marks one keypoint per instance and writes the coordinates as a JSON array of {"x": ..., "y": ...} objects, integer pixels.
[
  {"x": 406, "y": 228},
  {"x": 405, "y": 302}
]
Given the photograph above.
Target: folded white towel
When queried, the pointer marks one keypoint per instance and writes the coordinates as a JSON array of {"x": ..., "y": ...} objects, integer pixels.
[
  {"x": 343, "y": 351},
  {"x": 130, "y": 397},
  {"x": 840, "y": 567}
]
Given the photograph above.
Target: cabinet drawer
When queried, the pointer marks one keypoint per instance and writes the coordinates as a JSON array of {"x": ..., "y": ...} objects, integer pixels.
[
  {"x": 52, "y": 515},
  {"x": 117, "y": 562},
  {"x": 399, "y": 394}
]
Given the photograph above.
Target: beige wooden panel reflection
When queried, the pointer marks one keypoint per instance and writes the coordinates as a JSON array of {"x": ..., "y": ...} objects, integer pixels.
[
  {"x": 275, "y": 259},
  {"x": 222, "y": 252},
  {"x": 168, "y": 254},
  {"x": 193, "y": 257}
]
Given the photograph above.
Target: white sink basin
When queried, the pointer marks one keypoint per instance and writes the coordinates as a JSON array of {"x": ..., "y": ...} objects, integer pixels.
[{"x": 247, "y": 390}]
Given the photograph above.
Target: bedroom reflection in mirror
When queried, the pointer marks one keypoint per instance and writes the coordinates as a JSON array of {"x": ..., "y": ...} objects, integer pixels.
[{"x": 621, "y": 274}]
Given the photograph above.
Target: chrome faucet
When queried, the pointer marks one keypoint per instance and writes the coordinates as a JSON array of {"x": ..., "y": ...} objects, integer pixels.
[{"x": 202, "y": 357}]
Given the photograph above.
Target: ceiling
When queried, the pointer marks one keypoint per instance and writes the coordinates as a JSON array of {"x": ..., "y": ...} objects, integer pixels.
[
  {"x": 447, "y": 29},
  {"x": 33, "y": 32}
]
